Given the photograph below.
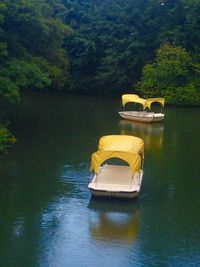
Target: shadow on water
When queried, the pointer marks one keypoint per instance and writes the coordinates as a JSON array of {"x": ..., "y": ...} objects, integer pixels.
[{"x": 114, "y": 220}]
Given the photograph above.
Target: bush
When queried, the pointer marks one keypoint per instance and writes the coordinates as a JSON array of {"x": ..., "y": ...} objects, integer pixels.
[
  {"x": 183, "y": 96},
  {"x": 174, "y": 76},
  {"x": 6, "y": 138}
]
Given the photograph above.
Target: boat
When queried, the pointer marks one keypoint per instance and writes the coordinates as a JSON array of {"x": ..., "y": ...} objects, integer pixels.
[
  {"x": 142, "y": 116},
  {"x": 114, "y": 180}
]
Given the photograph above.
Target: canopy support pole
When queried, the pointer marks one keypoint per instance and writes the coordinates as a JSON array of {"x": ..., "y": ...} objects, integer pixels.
[{"x": 142, "y": 164}]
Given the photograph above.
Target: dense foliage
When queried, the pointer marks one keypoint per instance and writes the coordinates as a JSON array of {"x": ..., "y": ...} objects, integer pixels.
[
  {"x": 31, "y": 54},
  {"x": 113, "y": 40},
  {"x": 89, "y": 46},
  {"x": 110, "y": 44},
  {"x": 174, "y": 75}
]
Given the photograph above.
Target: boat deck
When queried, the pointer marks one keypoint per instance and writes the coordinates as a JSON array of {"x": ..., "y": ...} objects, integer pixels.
[{"x": 112, "y": 178}]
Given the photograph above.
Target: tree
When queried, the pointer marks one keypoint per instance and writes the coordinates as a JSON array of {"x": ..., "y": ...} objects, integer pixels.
[
  {"x": 109, "y": 44},
  {"x": 173, "y": 75},
  {"x": 31, "y": 54}
]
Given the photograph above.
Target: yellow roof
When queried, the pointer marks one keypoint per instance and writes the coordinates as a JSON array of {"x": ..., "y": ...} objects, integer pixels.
[
  {"x": 127, "y": 98},
  {"x": 146, "y": 103},
  {"x": 159, "y": 100},
  {"x": 125, "y": 143},
  {"x": 128, "y": 148}
]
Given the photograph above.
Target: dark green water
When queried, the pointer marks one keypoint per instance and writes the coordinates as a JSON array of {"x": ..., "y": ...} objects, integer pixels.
[{"x": 47, "y": 218}]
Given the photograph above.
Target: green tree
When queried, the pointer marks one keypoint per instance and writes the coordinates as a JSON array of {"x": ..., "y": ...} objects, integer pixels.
[
  {"x": 173, "y": 75},
  {"x": 31, "y": 54},
  {"x": 108, "y": 46}
]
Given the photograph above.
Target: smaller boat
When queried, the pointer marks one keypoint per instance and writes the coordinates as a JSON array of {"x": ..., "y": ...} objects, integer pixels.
[
  {"x": 114, "y": 180},
  {"x": 142, "y": 116}
]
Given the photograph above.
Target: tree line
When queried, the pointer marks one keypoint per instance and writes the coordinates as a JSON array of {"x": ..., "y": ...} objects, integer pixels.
[{"x": 100, "y": 47}]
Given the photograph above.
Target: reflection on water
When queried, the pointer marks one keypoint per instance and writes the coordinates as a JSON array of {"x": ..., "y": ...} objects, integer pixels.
[
  {"x": 151, "y": 133},
  {"x": 114, "y": 220}
]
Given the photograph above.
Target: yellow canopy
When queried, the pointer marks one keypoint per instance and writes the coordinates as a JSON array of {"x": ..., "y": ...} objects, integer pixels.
[
  {"x": 146, "y": 103},
  {"x": 99, "y": 157},
  {"x": 161, "y": 101},
  {"x": 127, "y": 98},
  {"x": 124, "y": 143},
  {"x": 128, "y": 148}
]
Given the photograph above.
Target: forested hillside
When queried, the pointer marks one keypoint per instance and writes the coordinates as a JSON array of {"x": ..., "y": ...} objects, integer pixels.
[
  {"x": 89, "y": 46},
  {"x": 101, "y": 47},
  {"x": 113, "y": 40}
]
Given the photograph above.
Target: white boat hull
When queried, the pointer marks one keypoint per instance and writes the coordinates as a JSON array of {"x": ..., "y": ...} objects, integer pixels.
[
  {"x": 116, "y": 181},
  {"x": 99, "y": 193},
  {"x": 142, "y": 116}
]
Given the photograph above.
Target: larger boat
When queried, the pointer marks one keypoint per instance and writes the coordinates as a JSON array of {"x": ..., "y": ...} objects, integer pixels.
[
  {"x": 114, "y": 180},
  {"x": 144, "y": 115}
]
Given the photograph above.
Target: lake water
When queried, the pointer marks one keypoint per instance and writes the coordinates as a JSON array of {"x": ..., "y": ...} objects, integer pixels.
[{"x": 47, "y": 215}]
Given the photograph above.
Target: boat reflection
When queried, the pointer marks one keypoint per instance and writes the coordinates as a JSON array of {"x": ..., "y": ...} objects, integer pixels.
[
  {"x": 114, "y": 220},
  {"x": 152, "y": 134}
]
